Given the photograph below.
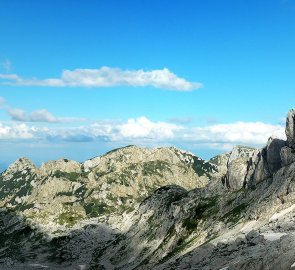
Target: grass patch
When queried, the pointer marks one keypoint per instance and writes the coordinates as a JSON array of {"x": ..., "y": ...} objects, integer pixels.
[
  {"x": 64, "y": 193},
  {"x": 190, "y": 224},
  {"x": 69, "y": 218},
  {"x": 155, "y": 168},
  {"x": 72, "y": 176},
  {"x": 234, "y": 215},
  {"x": 96, "y": 208},
  {"x": 202, "y": 167}
]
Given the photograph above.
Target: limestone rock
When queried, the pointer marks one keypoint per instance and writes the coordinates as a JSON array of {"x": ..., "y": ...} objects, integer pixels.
[
  {"x": 290, "y": 128},
  {"x": 287, "y": 155},
  {"x": 257, "y": 168},
  {"x": 221, "y": 162},
  {"x": 237, "y": 167},
  {"x": 22, "y": 164},
  {"x": 273, "y": 157},
  {"x": 264, "y": 162},
  {"x": 62, "y": 164}
]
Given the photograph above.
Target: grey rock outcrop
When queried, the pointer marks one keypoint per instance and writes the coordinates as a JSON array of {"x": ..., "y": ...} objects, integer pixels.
[
  {"x": 290, "y": 128},
  {"x": 287, "y": 155},
  {"x": 237, "y": 166},
  {"x": 22, "y": 164},
  {"x": 62, "y": 164},
  {"x": 265, "y": 162},
  {"x": 273, "y": 154}
]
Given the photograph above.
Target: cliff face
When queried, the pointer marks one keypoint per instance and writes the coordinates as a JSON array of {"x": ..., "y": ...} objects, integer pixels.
[{"x": 137, "y": 208}]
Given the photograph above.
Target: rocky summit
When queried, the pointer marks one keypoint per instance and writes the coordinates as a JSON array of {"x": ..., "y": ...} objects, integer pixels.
[{"x": 163, "y": 208}]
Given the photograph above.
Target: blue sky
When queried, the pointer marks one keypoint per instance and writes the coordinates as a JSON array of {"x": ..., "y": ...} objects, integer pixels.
[{"x": 78, "y": 78}]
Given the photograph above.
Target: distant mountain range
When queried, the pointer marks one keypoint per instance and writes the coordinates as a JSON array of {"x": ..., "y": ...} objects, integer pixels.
[{"x": 163, "y": 208}]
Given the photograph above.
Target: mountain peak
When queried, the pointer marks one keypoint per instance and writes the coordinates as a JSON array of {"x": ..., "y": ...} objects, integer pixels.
[
  {"x": 62, "y": 164},
  {"x": 20, "y": 164}
]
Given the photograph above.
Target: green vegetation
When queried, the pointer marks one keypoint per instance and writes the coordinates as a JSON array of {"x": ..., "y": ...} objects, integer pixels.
[
  {"x": 190, "y": 224},
  {"x": 215, "y": 160},
  {"x": 72, "y": 176},
  {"x": 202, "y": 167},
  {"x": 64, "y": 193},
  {"x": 23, "y": 207},
  {"x": 207, "y": 209},
  {"x": 69, "y": 218},
  {"x": 95, "y": 208},
  {"x": 155, "y": 167},
  {"x": 234, "y": 215},
  {"x": 80, "y": 192},
  {"x": 17, "y": 185}
]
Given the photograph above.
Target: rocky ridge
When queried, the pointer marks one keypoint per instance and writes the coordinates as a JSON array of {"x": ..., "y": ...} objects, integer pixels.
[
  {"x": 163, "y": 208},
  {"x": 64, "y": 201}
]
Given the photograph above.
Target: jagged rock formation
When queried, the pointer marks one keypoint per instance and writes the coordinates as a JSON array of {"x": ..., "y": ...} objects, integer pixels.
[
  {"x": 237, "y": 167},
  {"x": 290, "y": 128},
  {"x": 66, "y": 199},
  {"x": 163, "y": 208}
]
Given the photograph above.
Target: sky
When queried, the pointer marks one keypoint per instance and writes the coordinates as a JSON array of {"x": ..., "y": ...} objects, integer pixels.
[{"x": 79, "y": 78}]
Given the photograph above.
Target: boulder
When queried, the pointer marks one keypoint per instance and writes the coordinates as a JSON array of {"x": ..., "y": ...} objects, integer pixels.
[{"x": 290, "y": 128}]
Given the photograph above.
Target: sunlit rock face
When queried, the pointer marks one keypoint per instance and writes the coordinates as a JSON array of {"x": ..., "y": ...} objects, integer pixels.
[
  {"x": 290, "y": 128},
  {"x": 162, "y": 208},
  {"x": 67, "y": 200}
]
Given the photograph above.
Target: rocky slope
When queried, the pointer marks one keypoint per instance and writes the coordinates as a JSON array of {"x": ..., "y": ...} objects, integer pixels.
[
  {"x": 80, "y": 206},
  {"x": 135, "y": 208}
]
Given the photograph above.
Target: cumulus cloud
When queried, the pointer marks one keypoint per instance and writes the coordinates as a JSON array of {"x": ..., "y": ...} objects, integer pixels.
[
  {"x": 45, "y": 116},
  {"x": 241, "y": 132},
  {"x": 144, "y": 128},
  {"x": 144, "y": 131},
  {"x": 42, "y": 116},
  {"x": 19, "y": 131},
  {"x": 16, "y": 114},
  {"x": 108, "y": 77}
]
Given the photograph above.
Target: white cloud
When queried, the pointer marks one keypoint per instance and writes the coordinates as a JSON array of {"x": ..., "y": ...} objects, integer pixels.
[
  {"x": 42, "y": 116},
  {"x": 144, "y": 128},
  {"x": 240, "y": 132},
  {"x": 45, "y": 116},
  {"x": 108, "y": 77},
  {"x": 143, "y": 131},
  {"x": 9, "y": 77},
  {"x": 17, "y": 114},
  {"x": 19, "y": 131}
]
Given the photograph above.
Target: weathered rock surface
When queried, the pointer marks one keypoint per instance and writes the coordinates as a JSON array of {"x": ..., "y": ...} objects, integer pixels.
[
  {"x": 237, "y": 166},
  {"x": 273, "y": 154},
  {"x": 290, "y": 128},
  {"x": 287, "y": 155},
  {"x": 65, "y": 199}
]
